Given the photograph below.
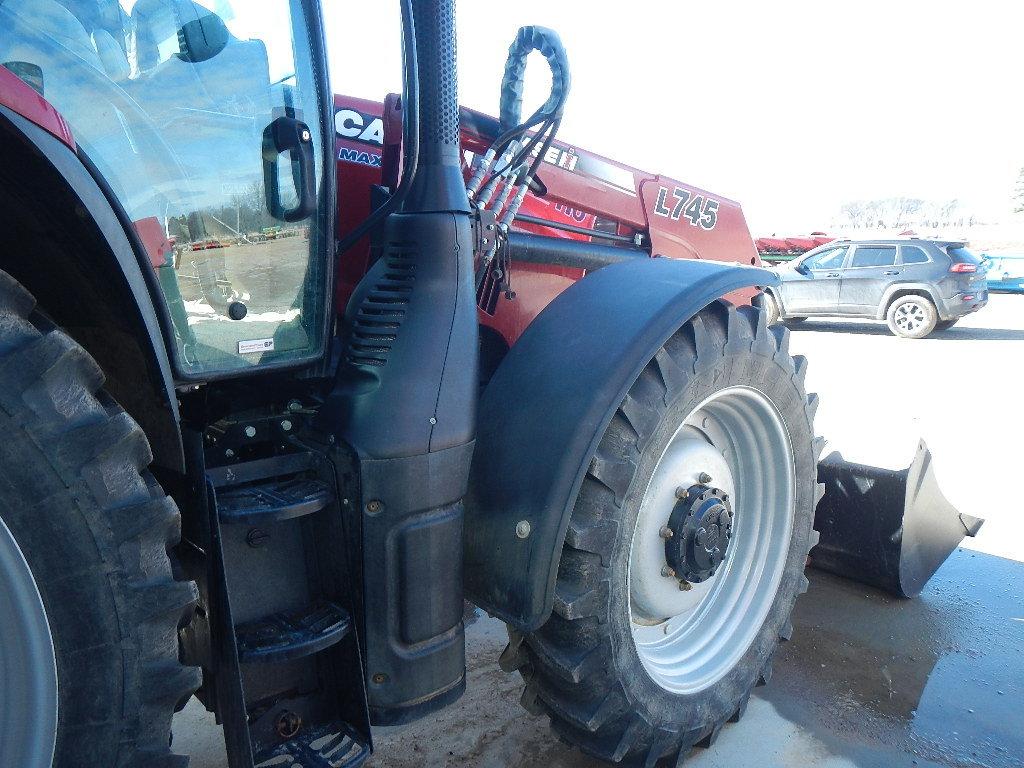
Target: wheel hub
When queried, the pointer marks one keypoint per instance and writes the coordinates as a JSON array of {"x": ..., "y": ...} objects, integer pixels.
[
  {"x": 733, "y": 450},
  {"x": 910, "y": 317},
  {"x": 701, "y": 525}
]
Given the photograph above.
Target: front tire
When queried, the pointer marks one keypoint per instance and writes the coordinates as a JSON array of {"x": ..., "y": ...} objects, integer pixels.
[
  {"x": 93, "y": 530},
  {"x": 912, "y": 317},
  {"x": 628, "y": 667}
]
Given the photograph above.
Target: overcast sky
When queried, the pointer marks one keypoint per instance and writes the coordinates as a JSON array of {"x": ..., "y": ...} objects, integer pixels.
[{"x": 791, "y": 108}]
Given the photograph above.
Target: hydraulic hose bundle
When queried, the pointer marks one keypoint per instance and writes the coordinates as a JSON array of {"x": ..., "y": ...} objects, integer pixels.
[{"x": 512, "y": 160}]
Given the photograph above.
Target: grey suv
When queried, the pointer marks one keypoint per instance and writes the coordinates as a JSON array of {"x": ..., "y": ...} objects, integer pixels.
[{"x": 915, "y": 285}]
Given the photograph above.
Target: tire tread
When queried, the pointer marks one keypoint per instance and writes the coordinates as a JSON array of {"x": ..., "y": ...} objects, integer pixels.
[
  {"x": 567, "y": 663},
  {"x": 50, "y": 389}
]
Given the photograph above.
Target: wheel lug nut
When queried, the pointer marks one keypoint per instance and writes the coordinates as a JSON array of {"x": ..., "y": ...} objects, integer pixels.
[
  {"x": 667, "y": 571},
  {"x": 685, "y": 586},
  {"x": 703, "y": 478},
  {"x": 682, "y": 492},
  {"x": 665, "y": 532}
]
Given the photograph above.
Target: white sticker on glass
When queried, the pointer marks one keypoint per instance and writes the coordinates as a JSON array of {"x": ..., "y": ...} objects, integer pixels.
[{"x": 255, "y": 345}]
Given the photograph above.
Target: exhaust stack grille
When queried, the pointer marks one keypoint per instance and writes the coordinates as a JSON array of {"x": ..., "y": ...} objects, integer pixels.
[{"x": 380, "y": 315}]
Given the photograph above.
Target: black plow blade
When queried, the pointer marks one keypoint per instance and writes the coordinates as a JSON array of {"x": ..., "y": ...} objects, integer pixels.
[{"x": 888, "y": 528}]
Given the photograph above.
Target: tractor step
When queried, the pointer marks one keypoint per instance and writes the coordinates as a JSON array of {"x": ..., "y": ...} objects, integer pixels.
[
  {"x": 325, "y": 747},
  {"x": 230, "y": 475},
  {"x": 276, "y": 500},
  {"x": 291, "y": 635},
  {"x": 288, "y": 680}
]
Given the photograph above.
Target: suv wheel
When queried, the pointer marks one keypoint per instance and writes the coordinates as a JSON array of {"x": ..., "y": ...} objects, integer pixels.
[
  {"x": 771, "y": 308},
  {"x": 912, "y": 317}
]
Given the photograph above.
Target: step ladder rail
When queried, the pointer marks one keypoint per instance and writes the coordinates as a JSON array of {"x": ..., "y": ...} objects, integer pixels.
[
  {"x": 229, "y": 688},
  {"x": 336, "y": 546}
]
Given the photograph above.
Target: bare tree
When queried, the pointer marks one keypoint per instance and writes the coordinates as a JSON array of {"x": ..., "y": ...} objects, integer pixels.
[
  {"x": 905, "y": 208},
  {"x": 948, "y": 211},
  {"x": 898, "y": 212},
  {"x": 854, "y": 211},
  {"x": 874, "y": 211}
]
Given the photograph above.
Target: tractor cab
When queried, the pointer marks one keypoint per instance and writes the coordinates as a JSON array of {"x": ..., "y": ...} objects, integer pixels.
[{"x": 206, "y": 122}]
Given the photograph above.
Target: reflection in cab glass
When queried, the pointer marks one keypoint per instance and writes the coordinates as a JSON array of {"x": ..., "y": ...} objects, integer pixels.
[{"x": 202, "y": 119}]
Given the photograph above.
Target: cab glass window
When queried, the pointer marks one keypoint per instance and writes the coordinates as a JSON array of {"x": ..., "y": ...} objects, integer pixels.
[{"x": 203, "y": 118}]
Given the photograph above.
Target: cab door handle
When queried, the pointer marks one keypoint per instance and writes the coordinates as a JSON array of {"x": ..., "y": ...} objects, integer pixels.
[
  {"x": 891, "y": 272},
  {"x": 290, "y": 137},
  {"x": 832, "y": 274}
]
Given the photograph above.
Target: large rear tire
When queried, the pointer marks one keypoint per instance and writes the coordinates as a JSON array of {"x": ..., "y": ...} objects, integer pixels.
[
  {"x": 94, "y": 609},
  {"x": 638, "y": 663}
]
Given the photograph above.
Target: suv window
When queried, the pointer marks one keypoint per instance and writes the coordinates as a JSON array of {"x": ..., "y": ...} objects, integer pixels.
[
  {"x": 874, "y": 256},
  {"x": 828, "y": 259},
  {"x": 913, "y": 255}
]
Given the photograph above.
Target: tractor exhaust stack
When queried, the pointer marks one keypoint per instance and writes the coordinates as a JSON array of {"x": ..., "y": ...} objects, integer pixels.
[{"x": 405, "y": 403}]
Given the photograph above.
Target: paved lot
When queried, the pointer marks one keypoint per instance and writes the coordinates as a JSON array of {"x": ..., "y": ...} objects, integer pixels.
[{"x": 868, "y": 680}]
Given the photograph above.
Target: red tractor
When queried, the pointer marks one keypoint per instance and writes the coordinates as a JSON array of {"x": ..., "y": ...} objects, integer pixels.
[
  {"x": 268, "y": 475},
  {"x": 583, "y": 212}
]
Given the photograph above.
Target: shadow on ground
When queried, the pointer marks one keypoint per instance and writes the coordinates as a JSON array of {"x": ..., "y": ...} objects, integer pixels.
[{"x": 956, "y": 333}]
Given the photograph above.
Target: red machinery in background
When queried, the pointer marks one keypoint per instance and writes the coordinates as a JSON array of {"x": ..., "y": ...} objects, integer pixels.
[{"x": 774, "y": 250}]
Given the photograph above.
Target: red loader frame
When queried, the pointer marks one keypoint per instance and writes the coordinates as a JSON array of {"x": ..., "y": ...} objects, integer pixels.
[{"x": 584, "y": 193}]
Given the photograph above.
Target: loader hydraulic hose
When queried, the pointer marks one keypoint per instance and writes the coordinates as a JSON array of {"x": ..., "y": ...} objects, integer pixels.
[
  {"x": 548, "y": 43},
  {"x": 514, "y": 145},
  {"x": 410, "y": 133}
]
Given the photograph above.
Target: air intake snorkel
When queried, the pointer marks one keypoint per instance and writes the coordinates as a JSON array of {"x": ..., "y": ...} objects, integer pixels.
[{"x": 405, "y": 400}]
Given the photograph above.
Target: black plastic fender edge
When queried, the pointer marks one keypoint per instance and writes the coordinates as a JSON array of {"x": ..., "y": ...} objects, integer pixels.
[{"x": 544, "y": 411}]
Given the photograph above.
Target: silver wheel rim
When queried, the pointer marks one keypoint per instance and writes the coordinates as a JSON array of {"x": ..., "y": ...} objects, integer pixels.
[
  {"x": 910, "y": 317},
  {"x": 28, "y": 666},
  {"x": 689, "y": 640}
]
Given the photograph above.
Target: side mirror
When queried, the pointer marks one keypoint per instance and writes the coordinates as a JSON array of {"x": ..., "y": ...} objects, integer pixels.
[
  {"x": 801, "y": 268},
  {"x": 202, "y": 38}
]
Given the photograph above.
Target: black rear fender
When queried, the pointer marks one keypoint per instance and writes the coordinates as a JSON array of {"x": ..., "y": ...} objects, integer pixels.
[
  {"x": 546, "y": 408},
  {"x": 61, "y": 238}
]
